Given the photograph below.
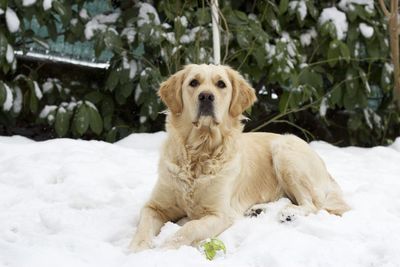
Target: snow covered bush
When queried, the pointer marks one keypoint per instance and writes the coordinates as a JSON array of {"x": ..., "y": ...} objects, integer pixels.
[{"x": 321, "y": 69}]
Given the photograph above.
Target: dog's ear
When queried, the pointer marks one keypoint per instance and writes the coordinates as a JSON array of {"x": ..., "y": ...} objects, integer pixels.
[
  {"x": 243, "y": 95},
  {"x": 170, "y": 92}
]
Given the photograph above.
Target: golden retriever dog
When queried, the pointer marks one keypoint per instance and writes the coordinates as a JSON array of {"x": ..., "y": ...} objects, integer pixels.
[{"x": 211, "y": 172}]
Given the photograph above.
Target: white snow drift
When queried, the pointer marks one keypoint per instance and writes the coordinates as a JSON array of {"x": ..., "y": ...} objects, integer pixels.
[{"x": 76, "y": 203}]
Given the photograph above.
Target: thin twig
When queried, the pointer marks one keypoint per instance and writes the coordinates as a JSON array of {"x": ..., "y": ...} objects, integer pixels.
[
  {"x": 275, "y": 118},
  {"x": 305, "y": 131}
]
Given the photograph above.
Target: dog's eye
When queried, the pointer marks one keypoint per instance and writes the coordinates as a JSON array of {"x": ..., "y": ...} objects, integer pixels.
[
  {"x": 221, "y": 84},
  {"x": 194, "y": 83}
]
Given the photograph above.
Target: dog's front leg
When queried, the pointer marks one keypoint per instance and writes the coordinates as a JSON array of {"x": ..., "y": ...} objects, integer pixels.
[
  {"x": 197, "y": 230},
  {"x": 150, "y": 223}
]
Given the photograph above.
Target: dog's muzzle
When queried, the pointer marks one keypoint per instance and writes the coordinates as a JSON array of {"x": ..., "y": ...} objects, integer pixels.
[{"x": 206, "y": 104}]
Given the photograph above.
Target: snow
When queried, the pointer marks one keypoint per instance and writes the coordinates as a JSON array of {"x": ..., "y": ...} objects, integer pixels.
[
  {"x": 130, "y": 34},
  {"x": 47, "y": 86},
  {"x": 131, "y": 65},
  {"x": 190, "y": 35},
  {"x": 144, "y": 11},
  {"x": 76, "y": 203},
  {"x": 306, "y": 38},
  {"x": 323, "y": 107},
  {"x": 170, "y": 37},
  {"x": 338, "y": 18},
  {"x": 389, "y": 67},
  {"x": 47, "y": 110},
  {"x": 12, "y": 20},
  {"x": 28, "y": 2},
  {"x": 347, "y": 5},
  {"x": 10, "y": 54},
  {"x": 366, "y": 30},
  {"x": 98, "y": 23},
  {"x": 83, "y": 14},
  {"x": 38, "y": 92},
  {"x": 132, "y": 69},
  {"x": 9, "y": 98},
  {"x": 17, "y": 105},
  {"x": 300, "y": 7},
  {"x": 183, "y": 20},
  {"x": 138, "y": 92},
  {"x": 47, "y": 4}
]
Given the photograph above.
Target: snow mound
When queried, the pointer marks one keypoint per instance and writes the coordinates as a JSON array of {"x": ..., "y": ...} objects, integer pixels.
[
  {"x": 76, "y": 203},
  {"x": 143, "y": 141}
]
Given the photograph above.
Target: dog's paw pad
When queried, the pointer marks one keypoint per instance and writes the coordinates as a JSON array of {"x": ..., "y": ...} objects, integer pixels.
[
  {"x": 255, "y": 210},
  {"x": 288, "y": 215}
]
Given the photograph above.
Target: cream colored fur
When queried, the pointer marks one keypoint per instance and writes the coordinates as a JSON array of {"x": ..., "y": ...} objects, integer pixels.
[{"x": 212, "y": 173}]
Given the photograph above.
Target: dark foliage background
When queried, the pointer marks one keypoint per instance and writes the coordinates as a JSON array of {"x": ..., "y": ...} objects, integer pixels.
[{"x": 310, "y": 79}]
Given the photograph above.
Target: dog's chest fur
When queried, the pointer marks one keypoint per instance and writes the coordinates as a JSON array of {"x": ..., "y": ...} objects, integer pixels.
[{"x": 200, "y": 180}]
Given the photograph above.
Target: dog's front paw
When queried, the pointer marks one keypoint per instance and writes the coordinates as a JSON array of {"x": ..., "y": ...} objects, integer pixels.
[
  {"x": 140, "y": 245},
  {"x": 256, "y": 210},
  {"x": 174, "y": 242}
]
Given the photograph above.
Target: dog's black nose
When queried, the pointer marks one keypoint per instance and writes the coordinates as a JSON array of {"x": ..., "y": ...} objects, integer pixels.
[{"x": 206, "y": 97}]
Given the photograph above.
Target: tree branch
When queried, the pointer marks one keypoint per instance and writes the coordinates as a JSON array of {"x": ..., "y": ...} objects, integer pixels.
[{"x": 384, "y": 9}]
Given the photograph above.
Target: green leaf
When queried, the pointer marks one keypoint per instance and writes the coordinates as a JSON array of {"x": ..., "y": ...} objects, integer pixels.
[
  {"x": 59, "y": 8},
  {"x": 3, "y": 4},
  {"x": 352, "y": 82},
  {"x": 107, "y": 122},
  {"x": 33, "y": 101},
  {"x": 112, "y": 40},
  {"x": 112, "y": 80},
  {"x": 52, "y": 29},
  {"x": 138, "y": 52},
  {"x": 283, "y": 6},
  {"x": 63, "y": 10},
  {"x": 333, "y": 52},
  {"x": 283, "y": 101},
  {"x": 112, "y": 135},
  {"x": 203, "y": 16},
  {"x": 99, "y": 45},
  {"x": 96, "y": 123},
  {"x": 259, "y": 55},
  {"x": 94, "y": 97},
  {"x": 328, "y": 28},
  {"x": 344, "y": 50},
  {"x": 81, "y": 119},
  {"x": 243, "y": 39},
  {"x": 2, "y": 94},
  {"x": 3, "y": 45},
  {"x": 349, "y": 102},
  {"x": 127, "y": 89},
  {"x": 373, "y": 48},
  {"x": 240, "y": 15},
  {"x": 62, "y": 122},
  {"x": 40, "y": 41},
  {"x": 336, "y": 96},
  {"x": 311, "y": 78},
  {"x": 107, "y": 107}
]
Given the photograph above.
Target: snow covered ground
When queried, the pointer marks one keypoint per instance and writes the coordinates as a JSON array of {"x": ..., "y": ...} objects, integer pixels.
[{"x": 76, "y": 203}]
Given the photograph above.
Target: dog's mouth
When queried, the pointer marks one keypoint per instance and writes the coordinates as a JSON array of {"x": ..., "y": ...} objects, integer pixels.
[
  {"x": 205, "y": 120},
  {"x": 205, "y": 116}
]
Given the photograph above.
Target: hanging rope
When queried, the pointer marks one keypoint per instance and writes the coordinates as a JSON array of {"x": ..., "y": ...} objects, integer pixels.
[{"x": 215, "y": 31}]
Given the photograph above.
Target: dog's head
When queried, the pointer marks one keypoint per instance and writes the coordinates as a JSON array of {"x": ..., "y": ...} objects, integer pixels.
[{"x": 207, "y": 94}]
